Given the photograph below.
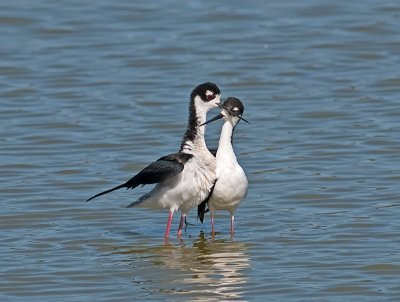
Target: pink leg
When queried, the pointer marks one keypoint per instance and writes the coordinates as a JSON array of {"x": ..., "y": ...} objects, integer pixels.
[
  {"x": 168, "y": 229},
  {"x": 181, "y": 223},
  {"x": 232, "y": 220},
  {"x": 212, "y": 223}
]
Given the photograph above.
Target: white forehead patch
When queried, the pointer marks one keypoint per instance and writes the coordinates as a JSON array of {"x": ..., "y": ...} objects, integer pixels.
[
  {"x": 208, "y": 92},
  {"x": 235, "y": 109}
]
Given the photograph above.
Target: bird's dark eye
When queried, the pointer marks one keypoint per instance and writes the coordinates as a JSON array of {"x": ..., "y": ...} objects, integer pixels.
[{"x": 210, "y": 96}]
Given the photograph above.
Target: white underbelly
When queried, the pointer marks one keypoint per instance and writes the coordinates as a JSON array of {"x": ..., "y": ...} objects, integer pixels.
[
  {"x": 183, "y": 191},
  {"x": 230, "y": 189}
]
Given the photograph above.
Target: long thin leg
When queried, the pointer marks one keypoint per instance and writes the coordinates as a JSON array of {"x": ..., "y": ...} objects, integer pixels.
[
  {"x": 181, "y": 223},
  {"x": 212, "y": 222},
  {"x": 232, "y": 222},
  {"x": 168, "y": 229}
]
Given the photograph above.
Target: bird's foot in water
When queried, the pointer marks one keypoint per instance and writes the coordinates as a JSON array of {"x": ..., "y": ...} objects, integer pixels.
[{"x": 187, "y": 223}]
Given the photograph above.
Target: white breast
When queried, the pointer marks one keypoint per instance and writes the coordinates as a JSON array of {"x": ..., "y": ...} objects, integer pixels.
[{"x": 230, "y": 188}]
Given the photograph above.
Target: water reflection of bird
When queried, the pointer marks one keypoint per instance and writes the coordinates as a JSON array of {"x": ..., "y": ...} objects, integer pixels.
[
  {"x": 185, "y": 178},
  {"x": 205, "y": 270},
  {"x": 231, "y": 185}
]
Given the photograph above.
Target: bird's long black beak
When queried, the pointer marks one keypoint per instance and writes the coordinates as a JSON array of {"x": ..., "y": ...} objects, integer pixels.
[
  {"x": 219, "y": 116},
  {"x": 244, "y": 120}
]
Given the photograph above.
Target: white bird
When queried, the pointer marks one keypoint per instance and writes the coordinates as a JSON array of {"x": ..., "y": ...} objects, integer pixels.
[
  {"x": 183, "y": 179},
  {"x": 231, "y": 185}
]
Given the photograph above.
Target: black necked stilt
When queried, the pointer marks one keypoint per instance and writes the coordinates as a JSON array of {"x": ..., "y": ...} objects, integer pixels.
[
  {"x": 231, "y": 185},
  {"x": 184, "y": 179}
]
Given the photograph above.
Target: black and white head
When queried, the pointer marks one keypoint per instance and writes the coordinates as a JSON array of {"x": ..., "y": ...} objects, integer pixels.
[
  {"x": 206, "y": 96},
  {"x": 232, "y": 111},
  {"x": 203, "y": 98}
]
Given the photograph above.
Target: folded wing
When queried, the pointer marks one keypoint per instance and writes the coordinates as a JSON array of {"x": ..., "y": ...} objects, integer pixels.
[{"x": 158, "y": 171}]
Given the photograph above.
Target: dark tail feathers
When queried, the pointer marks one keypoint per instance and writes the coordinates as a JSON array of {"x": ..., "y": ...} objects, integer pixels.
[
  {"x": 201, "y": 210},
  {"x": 108, "y": 191}
]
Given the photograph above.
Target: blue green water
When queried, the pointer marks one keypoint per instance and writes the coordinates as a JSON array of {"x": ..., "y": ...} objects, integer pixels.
[{"x": 91, "y": 93}]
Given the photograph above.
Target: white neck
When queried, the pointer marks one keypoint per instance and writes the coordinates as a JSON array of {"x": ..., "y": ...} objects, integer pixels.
[
  {"x": 201, "y": 113},
  {"x": 225, "y": 149}
]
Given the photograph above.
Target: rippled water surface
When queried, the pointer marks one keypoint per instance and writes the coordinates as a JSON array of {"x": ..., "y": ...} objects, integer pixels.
[{"x": 91, "y": 92}]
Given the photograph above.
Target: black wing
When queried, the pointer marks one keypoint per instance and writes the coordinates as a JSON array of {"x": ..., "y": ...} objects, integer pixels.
[
  {"x": 201, "y": 208},
  {"x": 158, "y": 171},
  {"x": 213, "y": 152}
]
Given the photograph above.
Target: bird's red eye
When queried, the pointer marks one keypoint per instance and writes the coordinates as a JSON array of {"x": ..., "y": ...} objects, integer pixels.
[{"x": 210, "y": 96}]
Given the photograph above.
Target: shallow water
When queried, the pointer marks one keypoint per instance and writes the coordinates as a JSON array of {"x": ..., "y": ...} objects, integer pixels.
[{"x": 91, "y": 93}]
